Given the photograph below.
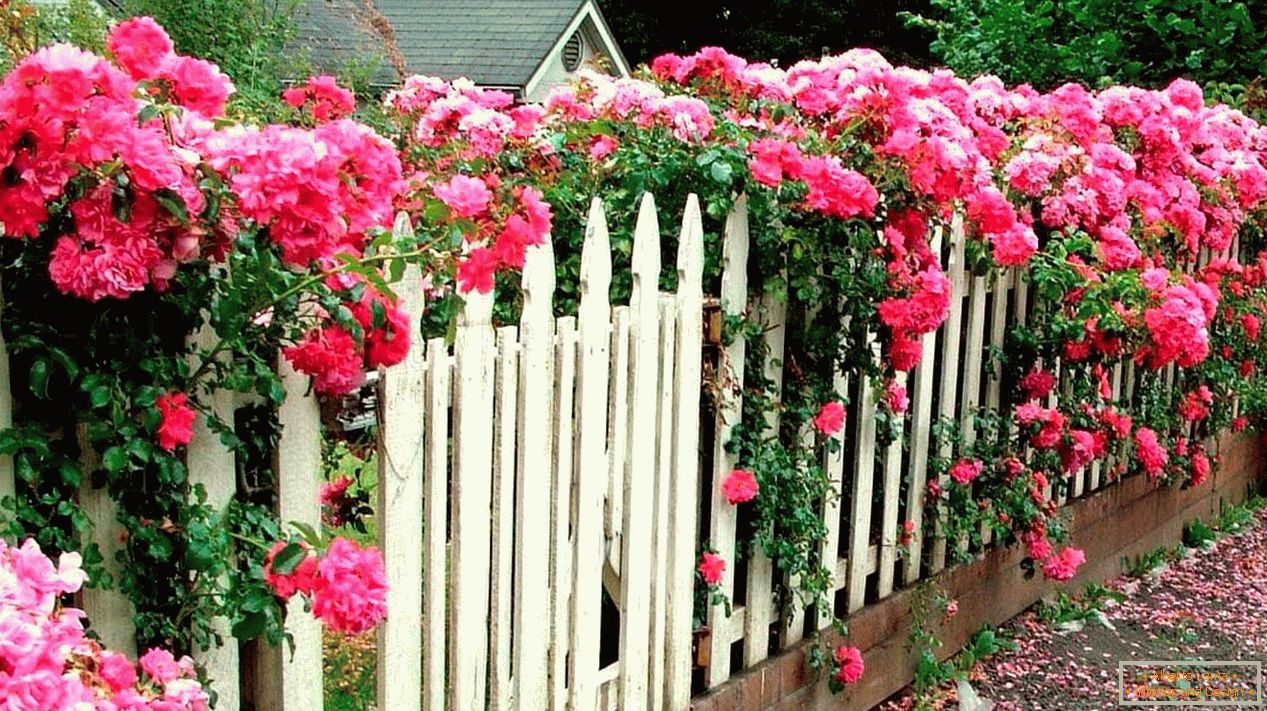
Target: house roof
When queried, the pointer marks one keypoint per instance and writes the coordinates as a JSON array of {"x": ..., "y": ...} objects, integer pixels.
[{"x": 492, "y": 42}]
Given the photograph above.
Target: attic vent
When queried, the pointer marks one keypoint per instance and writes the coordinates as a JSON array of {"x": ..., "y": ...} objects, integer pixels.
[{"x": 572, "y": 52}]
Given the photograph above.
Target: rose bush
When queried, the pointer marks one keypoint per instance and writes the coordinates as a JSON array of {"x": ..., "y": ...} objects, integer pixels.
[
  {"x": 137, "y": 217},
  {"x": 155, "y": 253}
]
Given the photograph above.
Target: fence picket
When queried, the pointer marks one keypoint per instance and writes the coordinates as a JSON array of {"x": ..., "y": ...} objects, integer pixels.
[
  {"x": 435, "y": 497},
  {"x": 730, "y": 372},
  {"x": 472, "y": 502},
  {"x": 860, "y": 501},
  {"x": 663, "y": 477},
  {"x": 829, "y": 553},
  {"x": 759, "y": 600},
  {"x": 617, "y": 438},
  {"x": 402, "y": 390},
  {"x": 292, "y": 681},
  {"x": 921, "y": 423},
  {"x": 946, "y": 402},
  {"x": 561, "y": 505},
  {"x": 685, "y": 462},
  {"x": 109, "y": 611},
  {"x": 636, "y": 564},
  {"x": 501, "y": 688},
  {"x": 533, "y": 487},
  {"x": 212, "y": 465},
  {"x": 892, "y": 495},
  {"x": 594, "y": 316}
]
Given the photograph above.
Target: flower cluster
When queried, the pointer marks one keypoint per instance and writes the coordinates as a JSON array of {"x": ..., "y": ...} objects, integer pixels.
[
  {"x": 347, "y": 583},
  {"x": 48, "y": 662}
]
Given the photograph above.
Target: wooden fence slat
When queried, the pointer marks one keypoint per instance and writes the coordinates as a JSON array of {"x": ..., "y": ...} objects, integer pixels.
[
  {"x": 501, "y": 688},
  {"x": 617, "y": 437},
  {"x": 401, "y": 451},
  {"x": 892, "y": 496},
  {"x": 472, "y": 502},
  {"x": 946, "y": 402},
  {"x": 921, "y": 424},
  {"x": 829, "y": 553},
  {"x": 730, "y": 371},
  {"x": 663, "y": 477},
  {"x": 110, "y": 612},
  {"x": 860, "y": 502},
  {"x": 636, "y": 564},
  {"x": 533, "y": 489},
  {"x": 212, "y": 465},
  {"x": 561, "y": 505},
  {"x": 759, "y": 603},
  {"x": 994, "y": 384},
  {"x": 435, "y": 498},
  {"x": 685, "y": 462},
  {"x": 292, "y": 682},
  {"x": 594, "y": 315}
]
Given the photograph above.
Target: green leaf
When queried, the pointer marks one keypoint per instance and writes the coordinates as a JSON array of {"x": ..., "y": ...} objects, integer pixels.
[
  {"x": 114, "y": 460},
  {"x": 251, "y": 626},
  {"x": 289, "y": 558},
  {"x": 39, "y": 379},
  {"x": 309, "y": 533},
  {"x": 99, "y": 396},
  {"x": 722, "y": 172}
]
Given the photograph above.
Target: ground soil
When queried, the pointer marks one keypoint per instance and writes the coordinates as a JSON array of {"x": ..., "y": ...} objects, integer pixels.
[{"x": 1210, "y": 604}]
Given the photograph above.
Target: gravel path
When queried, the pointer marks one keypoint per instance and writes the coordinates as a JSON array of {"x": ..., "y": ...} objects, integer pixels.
[{"x": 1211, "y": 604}]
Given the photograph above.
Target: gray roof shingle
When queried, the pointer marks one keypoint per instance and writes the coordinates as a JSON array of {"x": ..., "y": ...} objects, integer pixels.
[{"x": 492, "y": 42}]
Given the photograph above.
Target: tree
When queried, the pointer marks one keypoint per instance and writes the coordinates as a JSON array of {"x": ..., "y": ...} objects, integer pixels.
[
  {"x": 1096, "y": 42},
  {"x": 786, "y": 30}
]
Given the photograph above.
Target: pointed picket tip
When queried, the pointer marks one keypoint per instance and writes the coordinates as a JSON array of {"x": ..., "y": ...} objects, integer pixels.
[
  {"x": 596, "y": 262},
  {"x": 477, "y": 309},
  {"x": 734, "y": 279},
  {"x": 403, "y": 227},
  {"x": 690, "y": 255},
  {"x": 646, "y": 246},
  {"x": 538, "y": 281}
]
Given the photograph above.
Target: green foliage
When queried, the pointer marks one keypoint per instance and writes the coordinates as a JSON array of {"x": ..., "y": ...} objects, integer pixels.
[
  {"x": 1090, "y": 605},
  {"x": 786, "y": 30},
  {"x": 1145, "y": 564},
  {"x": 248, "y": 39},
  {"x": 1145, "y": 42},
  {"x": 26, "y": 26},
  {"x": 1197, "y": 535}
]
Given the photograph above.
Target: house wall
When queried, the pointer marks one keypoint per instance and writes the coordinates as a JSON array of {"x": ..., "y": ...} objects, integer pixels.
[{"x": 554, "y": 73}]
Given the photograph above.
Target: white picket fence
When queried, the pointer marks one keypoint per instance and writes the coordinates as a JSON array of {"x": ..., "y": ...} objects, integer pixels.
[{"x": 532, "y": 476}]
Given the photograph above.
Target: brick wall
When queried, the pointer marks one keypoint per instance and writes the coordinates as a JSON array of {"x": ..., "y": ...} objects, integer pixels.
[{"x": 1120, "y": 521}]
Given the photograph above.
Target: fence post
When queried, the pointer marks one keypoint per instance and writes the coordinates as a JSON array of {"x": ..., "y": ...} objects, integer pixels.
[
  {"x": 860, "y": 501},
  {"x": 292, "y": 682},
  {"x": 109, "y": 611},
  {"x": 734, "y": 299},
  {"x": 400, "y": 474},
  {"x": 214, "y": 466},
  {"x": 685, "y": 465},
  {"x": 533, "y": 492},
  {"x": 594, "y": 318},
  {"x": 636, "y": 564}
]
